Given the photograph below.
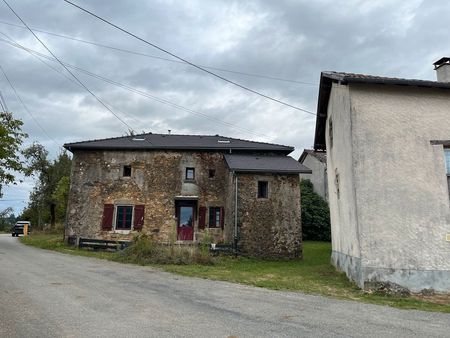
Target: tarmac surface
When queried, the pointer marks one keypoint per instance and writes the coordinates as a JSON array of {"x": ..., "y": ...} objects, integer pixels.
[{"x": 49, "y": 294}]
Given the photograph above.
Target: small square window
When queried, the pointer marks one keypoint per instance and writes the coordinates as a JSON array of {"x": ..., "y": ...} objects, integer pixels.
[
  {"x": 126, "y": 170},
  {"x": 190, "y": 173},
  {"x": 212, "y": 173},
  {"x": 263, "y": 189}
]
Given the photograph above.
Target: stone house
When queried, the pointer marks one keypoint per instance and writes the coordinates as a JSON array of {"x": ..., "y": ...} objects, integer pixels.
[
  {"x": 388, "y": 159},
  {"x": 317, "y": 162},
  {"x": 180, "y": 187}
]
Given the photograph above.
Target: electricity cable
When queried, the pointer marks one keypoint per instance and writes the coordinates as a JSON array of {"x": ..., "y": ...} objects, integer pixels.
[
  {"x": 188, "y": 62},
  {"x": 130, "y": 129},
  {"x": 275, "y": 78},
  {"x": 136, "y": 91}
]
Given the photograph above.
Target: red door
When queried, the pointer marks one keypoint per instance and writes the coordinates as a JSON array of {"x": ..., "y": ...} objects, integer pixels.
[{"x": 185, "y": 220}]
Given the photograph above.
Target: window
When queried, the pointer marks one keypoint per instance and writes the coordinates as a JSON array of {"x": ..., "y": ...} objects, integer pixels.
[
  {"x": 212, "y": 173},
  {"x": 447, "y": 160},
  {"x": 330, "y": 132},
  {"x": 214, "y": 217},
  {"x": 126, "y": 170},
  {"x": 190, "y": 173},
  {"x": 447, "y": 166},
  {"x": 124, "y": 215},
  {"x": 263, "y": 189}
]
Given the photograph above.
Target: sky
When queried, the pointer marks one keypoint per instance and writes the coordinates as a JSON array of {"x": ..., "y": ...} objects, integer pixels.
[{"x": 277, "y": 48}]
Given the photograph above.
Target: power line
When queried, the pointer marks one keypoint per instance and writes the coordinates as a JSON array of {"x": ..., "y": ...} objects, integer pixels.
[
  {"x": 3, "y": 103},
  {"x": 159, "y": 57},
  {"x": 26, "y": 108},
  {"x": 135, "y": 90},
  {"x": 130, "y": 129},
  {"x": 188, "y": 62},
  {"x": 59, "y": 71}
]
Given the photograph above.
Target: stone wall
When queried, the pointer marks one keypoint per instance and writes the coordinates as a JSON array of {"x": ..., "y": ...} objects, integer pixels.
[
  {"x": 158, "y": 178},
  {"x": 269, "y": 227}
]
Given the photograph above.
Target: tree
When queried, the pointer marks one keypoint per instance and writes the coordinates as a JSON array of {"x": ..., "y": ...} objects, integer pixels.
[
  {"x": 11, "y": 138},
  {"x": 315, "y": 214},
  {"x": 48, "y": 199}
]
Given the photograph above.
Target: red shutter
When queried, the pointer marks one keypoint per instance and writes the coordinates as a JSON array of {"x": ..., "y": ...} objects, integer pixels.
[
  {"x": 138, "y": 217},
  {"x": 201, "y": 217},
  {"x": 222, "y": 217},
  {"x": 107, "y": 219}
]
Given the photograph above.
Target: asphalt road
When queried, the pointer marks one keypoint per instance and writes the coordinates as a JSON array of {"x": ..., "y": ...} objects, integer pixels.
[{"x": 48, "y": 294}]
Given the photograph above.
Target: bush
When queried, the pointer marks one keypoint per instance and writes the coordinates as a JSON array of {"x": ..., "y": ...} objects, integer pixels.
[
  {"x": 145, "y": 250},
  {"x": 315, "y": 214}
]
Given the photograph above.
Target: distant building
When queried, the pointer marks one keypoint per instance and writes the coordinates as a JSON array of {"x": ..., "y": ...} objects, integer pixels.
[
  {"x": 179, "y": 187},
  {"x": 317, "y": 162},
  {"x": 388, "y": 158}
]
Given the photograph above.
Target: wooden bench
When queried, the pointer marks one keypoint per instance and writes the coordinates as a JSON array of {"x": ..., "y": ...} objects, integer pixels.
[{"x": 102, "y": 244}]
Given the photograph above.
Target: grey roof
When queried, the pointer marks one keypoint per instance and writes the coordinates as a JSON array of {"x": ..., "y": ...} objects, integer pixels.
[
  {"x": 320, "y": 155},
  {"x": 327, "y": 78},
  {"x": 265, "y": 164},
  {"x": 176, "y": 142}
]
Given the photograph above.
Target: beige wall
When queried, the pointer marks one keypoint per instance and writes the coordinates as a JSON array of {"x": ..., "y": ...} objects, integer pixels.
[
  {"x": 318, "y": 177},
  {"x": 402, "y": 194},
  {"x": 393, "y": 212},
  {"x": 344, "y": 223}
]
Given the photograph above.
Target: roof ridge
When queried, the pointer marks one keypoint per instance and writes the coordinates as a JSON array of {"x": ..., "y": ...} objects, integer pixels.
[{"x": 183, "y": 135}]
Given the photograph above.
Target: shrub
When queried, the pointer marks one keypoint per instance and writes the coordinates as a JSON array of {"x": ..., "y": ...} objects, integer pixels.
[
  {"x": 145, "y": 250},
  {"x": 315, "y": 214}
]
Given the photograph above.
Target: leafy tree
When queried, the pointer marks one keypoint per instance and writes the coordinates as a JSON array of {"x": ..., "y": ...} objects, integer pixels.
[
  {"x": 11, "y": 137},
  {"x": 315, "y": 214},
  {"x": 48, "y": 199}
]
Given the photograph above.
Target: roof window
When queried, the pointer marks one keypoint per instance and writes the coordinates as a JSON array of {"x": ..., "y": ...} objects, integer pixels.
[{"x": 223, "y": 141}]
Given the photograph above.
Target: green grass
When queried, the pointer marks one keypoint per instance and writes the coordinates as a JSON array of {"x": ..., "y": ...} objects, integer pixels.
[{"x": 313, "y": 275}]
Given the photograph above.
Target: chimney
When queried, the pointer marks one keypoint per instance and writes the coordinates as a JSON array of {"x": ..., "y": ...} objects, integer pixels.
[{"x": 442, "y": 68}]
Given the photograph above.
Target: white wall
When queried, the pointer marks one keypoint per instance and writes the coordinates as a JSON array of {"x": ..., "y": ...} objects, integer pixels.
[
  {"x": 401, "y": 190},
  {"x": 318, "y": 177},
  {"x": 343, "y": 208}
]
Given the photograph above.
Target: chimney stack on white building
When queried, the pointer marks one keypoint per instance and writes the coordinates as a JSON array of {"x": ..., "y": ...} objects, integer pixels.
[{"x": 442, "y": 68}]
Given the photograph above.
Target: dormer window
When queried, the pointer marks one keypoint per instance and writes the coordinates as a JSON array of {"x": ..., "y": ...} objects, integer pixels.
[
  {"x": 126, "y": 171},
  {"x": 190, "y": 173}
]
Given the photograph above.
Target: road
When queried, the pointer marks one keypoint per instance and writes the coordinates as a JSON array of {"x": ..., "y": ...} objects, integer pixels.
[{"x": 49, "y": 294}]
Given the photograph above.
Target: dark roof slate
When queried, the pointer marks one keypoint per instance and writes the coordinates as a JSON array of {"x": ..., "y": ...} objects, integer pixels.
[
  {"x": 320, "y": 155},
  {"x": 372, "y": 79},
  {"x": 176, "y": 142},
  {"x": 265, "y": 164}
]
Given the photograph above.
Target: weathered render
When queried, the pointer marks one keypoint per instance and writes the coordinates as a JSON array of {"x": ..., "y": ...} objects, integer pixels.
[
  {"x": 388, "y": 190},
  {"x": 156, "y": 189},
  {"x": 317, "y": 162}
]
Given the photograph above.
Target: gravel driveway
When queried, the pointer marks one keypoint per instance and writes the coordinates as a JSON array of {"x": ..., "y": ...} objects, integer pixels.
[{"x": 48, "y": 294}]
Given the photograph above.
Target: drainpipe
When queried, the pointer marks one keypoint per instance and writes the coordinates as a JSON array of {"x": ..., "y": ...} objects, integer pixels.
[{"x": 235, "y": 213}]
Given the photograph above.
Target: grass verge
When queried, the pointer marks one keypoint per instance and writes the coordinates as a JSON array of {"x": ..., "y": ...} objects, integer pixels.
[{"x": 312, "y": 275}]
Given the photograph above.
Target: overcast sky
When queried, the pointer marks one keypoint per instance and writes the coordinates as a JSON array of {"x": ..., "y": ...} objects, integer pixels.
[{"x": 290, "y": 40}]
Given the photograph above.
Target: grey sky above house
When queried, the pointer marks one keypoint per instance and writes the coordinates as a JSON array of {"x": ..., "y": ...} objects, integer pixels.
[{"x": 293, "y": 40}]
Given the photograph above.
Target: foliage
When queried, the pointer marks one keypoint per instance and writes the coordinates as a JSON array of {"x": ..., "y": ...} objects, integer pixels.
[
  {"x": 145, "y": 251},
  {"x": 7, "y": 220},
  {"x": 315, "y": 214},
  {"x": 11, "y": 137},
  {"x": 313, "y": 274},
  {"x": 48, "y": 200}
]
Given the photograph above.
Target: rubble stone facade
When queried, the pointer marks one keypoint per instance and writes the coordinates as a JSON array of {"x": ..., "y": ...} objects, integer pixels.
[{"x": 149, "y": 199}]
